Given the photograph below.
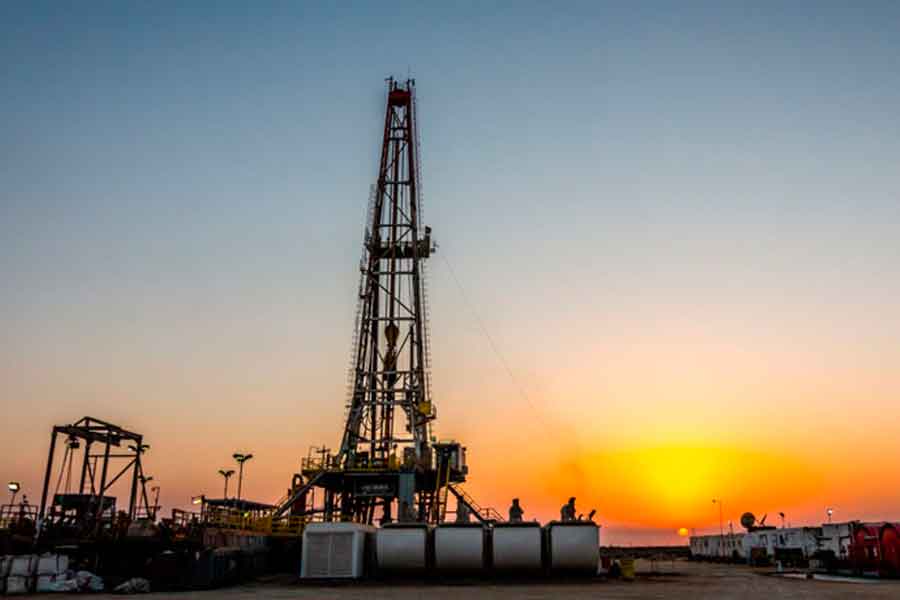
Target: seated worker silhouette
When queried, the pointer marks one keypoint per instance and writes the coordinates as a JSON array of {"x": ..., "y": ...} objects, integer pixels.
[{"x": 567, "y": 512}]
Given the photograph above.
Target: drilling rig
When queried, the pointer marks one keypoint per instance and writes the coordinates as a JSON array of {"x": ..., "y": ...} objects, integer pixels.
[{"x": 388, "y": 458}]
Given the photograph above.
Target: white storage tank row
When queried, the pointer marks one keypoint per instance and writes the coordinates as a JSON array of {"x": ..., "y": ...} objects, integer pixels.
[
  {"x": 349, "y": 550},
  {"x": 573, "y": 546},
  {"x": 518, "y": 547}
]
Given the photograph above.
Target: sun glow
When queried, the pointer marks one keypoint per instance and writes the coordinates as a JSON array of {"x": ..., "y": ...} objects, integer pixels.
[{"x": 670, "y": 486}]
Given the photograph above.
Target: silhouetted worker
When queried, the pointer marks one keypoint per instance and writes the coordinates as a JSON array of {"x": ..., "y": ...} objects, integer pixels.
[
  {"x": 515, "y": 512},
  {"x": 567, "y": 512}
]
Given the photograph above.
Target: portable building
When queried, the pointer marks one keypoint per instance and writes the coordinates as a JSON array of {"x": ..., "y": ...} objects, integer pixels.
[
  {"x": 835, "y": 540},
  {"x": 706, "y": 547},
  {"x": 795, "y": 545},
  {"x": 718, "y": 547},
  {"x": 759, "y": 545}
]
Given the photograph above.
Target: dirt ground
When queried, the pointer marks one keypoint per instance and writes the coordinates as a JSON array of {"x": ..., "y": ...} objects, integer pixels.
[{"x": 670, "y": 580}]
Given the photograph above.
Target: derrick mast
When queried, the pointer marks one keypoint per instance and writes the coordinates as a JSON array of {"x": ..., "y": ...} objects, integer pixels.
[
  {"x": 388, "y": 458},
  {"x": 390, "y": 406}
]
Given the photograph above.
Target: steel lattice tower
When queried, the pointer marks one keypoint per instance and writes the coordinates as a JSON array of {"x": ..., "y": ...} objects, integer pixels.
[
  {"x": 387, "y": 458},
  {"x": 390, "y": 406}
]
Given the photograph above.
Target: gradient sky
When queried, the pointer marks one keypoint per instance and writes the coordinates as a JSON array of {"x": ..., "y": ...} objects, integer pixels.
[{"x": 679, "y": 223}]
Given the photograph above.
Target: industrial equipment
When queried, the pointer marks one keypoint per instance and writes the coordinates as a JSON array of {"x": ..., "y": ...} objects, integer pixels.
[
  {"x": 388, "y": 460},
  {"x": 460, "y": 547},
  {"x": 517, "y": 546},
  {"x": 402, "y": 547},
  {"x": 80, "y": 505},
  {"x": 335, "y": 550},
  {"x": 573, "y": 546}
]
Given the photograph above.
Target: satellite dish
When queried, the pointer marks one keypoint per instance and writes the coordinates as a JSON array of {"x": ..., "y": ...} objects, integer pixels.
[{"x": 748, "y": 520}]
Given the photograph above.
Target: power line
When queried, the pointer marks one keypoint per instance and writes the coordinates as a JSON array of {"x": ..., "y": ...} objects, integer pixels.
[{"x": 519, "y": 387}]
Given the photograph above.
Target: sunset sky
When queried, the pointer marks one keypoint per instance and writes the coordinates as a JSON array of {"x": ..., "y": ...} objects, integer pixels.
[{"x": 678, "y": 222}]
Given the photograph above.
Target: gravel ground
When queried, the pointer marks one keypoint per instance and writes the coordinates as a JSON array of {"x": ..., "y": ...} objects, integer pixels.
[{"x": 669, "y": 580}]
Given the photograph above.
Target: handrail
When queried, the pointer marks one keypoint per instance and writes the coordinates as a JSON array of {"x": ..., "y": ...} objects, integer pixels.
[
  {"x": 485, "y": 515},
  {"x": 283, "y": 508},
  {"x": 11, "y": 514}
]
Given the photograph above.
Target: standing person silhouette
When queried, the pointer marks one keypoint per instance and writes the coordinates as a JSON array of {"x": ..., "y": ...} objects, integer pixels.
[{"x": 515, "y": 512}]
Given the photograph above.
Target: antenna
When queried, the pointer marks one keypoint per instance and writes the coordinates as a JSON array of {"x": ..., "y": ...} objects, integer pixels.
[{"x": 748, "y": 520}]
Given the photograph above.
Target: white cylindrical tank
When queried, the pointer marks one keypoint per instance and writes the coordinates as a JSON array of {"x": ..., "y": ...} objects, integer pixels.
[
  {"x": 573, "y": 546},
  {"x": 459, "y": 546},
  {"x": 517, "y": 546},
  {"x": 402, "y": 547}
]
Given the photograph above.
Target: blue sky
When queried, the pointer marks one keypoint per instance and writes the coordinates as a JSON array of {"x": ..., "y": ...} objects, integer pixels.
[{"x": 182, "y": 191}]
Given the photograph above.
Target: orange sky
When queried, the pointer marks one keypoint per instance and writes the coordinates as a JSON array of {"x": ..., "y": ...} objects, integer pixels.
[
  {"x": 648, "y": 452},
  {"x": 644, "y": 410}
]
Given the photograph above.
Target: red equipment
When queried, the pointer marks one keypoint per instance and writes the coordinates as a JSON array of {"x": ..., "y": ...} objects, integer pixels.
[
  {"x": 890, "y": 549},
  {"x": 865, "y": 550}
]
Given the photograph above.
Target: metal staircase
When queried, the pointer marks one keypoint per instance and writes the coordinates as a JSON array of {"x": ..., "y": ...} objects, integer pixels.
[
  {"x": 285, "y": 505},
  {"x": 486, "y": 515}
]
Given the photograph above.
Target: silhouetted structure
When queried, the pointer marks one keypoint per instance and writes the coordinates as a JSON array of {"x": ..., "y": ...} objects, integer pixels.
[
  {"x": 83, "y": 508},
  {"x": 388, "y": 459}
]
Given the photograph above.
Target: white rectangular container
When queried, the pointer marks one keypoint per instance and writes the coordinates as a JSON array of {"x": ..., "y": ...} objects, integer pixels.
[
  {"x": 459, "y": 547},
  {"x": 402, "y": 547},
  {"x": 334, "y": 550},
  {"x": 23, "y": 566},
  {"x": 573, "y": 546},
  {"x": 517, "y": 546},
  {"x": 52, "y": 564},
  {"x": 19, "y": 586}
]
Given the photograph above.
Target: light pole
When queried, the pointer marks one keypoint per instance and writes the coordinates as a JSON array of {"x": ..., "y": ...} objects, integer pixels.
[
  {"x": 721, "y": 525},
  {"x": 781, "y": 514},
  {"x": 241, "y": 459},
  {"x": 155, "y": 489},
  {"x": 226, "y": 473},
  {"x": 144, "y": 479},
  {"x": 13, "y": 487},
  {"x": 829, "y": 511}
]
